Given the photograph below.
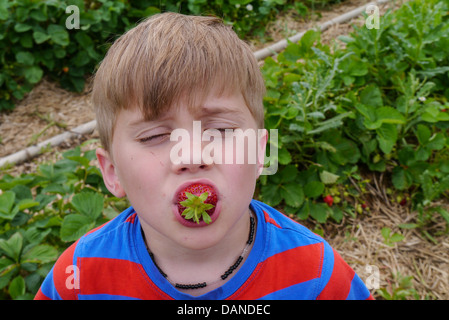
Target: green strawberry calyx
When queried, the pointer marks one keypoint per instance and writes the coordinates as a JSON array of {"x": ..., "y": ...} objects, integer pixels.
[{"x": 196, "y": 208}]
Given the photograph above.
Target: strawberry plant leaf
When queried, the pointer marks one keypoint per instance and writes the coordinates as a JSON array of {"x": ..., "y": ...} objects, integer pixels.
[
  {"x": 40, "y": 254},
  {"x": 74, "y": 226},
  {"x": 17, "y": 287},
  {"x": 89, "y": 204}
]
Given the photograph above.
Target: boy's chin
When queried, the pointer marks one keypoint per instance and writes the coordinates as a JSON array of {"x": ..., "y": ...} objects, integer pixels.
[{"x": 200, "y": 239}]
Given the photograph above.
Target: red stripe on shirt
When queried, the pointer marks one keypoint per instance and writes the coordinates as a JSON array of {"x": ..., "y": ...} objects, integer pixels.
[
  {"x": 117, "y": 277},
  {"x": 281, "y": 271},
  {"x": 41, "y": 296},
  {"x": 131, "y": 218},
  {"x": 63, "y": 274},
  {"x": 339, "y": 284},
  {"x": 271, "y": 220}
]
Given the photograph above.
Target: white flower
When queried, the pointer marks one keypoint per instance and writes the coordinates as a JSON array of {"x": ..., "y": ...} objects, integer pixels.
[
  {"x": 237, "y": 5},
  {"x": 422, "y": 98},
  {"x": 249, "y": 7}
]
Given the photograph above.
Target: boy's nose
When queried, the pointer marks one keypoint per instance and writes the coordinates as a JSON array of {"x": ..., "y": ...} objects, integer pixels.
[
  {"x": 187, "y": 157},
  {"x": 192, "y": 168}
]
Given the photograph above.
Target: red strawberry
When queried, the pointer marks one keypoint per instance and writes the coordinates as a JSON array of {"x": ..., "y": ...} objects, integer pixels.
[
  {"x": 329, "y": 200},
  {"x": 197, "y": 202}
]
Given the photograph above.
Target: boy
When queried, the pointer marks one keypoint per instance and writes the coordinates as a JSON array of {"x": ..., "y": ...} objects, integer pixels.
[{"x": 173, "y": 72}]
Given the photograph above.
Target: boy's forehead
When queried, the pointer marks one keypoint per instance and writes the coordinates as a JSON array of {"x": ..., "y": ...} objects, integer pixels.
[{"x": 213, "y": 105}]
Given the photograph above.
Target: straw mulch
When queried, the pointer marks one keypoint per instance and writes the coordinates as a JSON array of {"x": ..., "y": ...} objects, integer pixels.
[
  {"x": 48, "y": 110},
  {"x": 361, "y": 244}
]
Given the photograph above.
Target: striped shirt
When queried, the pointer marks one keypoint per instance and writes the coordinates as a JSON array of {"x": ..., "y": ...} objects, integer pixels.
[{"x": 287, "y": 261}]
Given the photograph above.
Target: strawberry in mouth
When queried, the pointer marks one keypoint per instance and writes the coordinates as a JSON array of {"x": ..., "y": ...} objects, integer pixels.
[{"x": 197, "y": 202}]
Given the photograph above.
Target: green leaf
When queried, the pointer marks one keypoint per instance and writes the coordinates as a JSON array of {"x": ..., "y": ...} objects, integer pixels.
[
  {"x": 33, "y": 74},
  {"x": 81, "y": 160},
  {"x": 389, "y": 115},
  {"x": 288, "y": 173},
  {"x": 284, "y": 156},
  {"x": 39, "y": 15},
  {"x": 206, "y": 218},
  {"x": 22, "y": 27},
  {"x": 25, "y": 58},
  {"x": 58, "y": 34},
  {"x": 293, "y": 194},
  {"x": 74, "y": 226},
  {"x": 328, "y": 177},
  {"x": 387, "y": 135},
  {"x": 40, "y": 37},
  {"x": 41, "y": 253},
  {"x": 17, "y": 287},
  {"x": 319, "y": 212},
  {"x": 84, "y": 40},
  {"x": 314, "y": 189},
  {"x": 396, "y": 237},
  {"x": 270, "y": 194},
  {"x": 34, "y": 235},
  {"x": 401, "y": 179},
  {"x": 4, "y": 14},
  {"x": 385, "y": 232},
  {"x": 371, "y": 96},
  {"x": 89, "y": 204},
  {"x": 436, "y": 142},
  {"x": 203, "y": 196},
  {"x": 423, "y": 134},
  {"x": 337, "y": 214},
  {"x": 13, "y": 246},
  {"x": 408, "y": 225},
  {"x": 6, "y": 205},
  {"x": 27, "y": 203}
]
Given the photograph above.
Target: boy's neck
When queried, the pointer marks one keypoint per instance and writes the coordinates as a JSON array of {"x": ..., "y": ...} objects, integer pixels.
[{"x": 191, "y": 266}]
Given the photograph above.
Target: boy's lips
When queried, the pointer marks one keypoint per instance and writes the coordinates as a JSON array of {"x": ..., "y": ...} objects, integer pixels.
[{"x": 189, "y": 223}]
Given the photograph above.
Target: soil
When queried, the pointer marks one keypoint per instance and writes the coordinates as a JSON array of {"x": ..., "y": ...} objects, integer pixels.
[{"x": 48, "y": 110}]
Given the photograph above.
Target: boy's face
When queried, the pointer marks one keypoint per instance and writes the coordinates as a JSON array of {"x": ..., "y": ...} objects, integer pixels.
[{"x": 141, "y": 167}]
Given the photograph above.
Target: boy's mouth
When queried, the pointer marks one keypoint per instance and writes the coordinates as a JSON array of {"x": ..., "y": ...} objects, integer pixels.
[{"x": 197, "y": 204}]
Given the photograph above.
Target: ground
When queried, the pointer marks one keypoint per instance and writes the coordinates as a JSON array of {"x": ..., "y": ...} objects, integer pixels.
[{"x": 49, "y": 110}]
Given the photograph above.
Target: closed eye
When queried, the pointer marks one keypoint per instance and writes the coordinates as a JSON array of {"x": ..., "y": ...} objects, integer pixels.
[{"x": 155, "y": 138}]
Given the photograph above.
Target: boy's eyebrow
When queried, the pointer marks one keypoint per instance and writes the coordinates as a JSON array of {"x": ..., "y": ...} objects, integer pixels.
[
  {"x": 143, "y": 121},
  {"x": 211, "y": 110},
  {"x": 219, "y": 109}
]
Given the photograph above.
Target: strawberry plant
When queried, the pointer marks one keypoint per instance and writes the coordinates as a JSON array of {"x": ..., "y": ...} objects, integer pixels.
[
  {"x": 379, "y": 104},
  {"x": 42, "y": 213},
  {"x": 36, "y": 42}
]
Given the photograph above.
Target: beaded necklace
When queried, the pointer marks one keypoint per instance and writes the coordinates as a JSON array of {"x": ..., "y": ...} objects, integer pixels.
[{"x": 224, "y": 275}]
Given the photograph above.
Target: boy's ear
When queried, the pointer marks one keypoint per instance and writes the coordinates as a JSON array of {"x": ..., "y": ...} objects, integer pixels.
[
  {"x": 109, "y": 173},
  {"x": 262, "y": 146}
]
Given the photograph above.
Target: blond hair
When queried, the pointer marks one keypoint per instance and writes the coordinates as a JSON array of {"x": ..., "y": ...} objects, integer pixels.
[{"x": 171, "y": 56}]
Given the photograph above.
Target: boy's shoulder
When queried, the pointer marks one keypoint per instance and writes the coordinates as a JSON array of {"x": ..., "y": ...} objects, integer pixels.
[
  {"x": 305, "y": 265},
  {"x": 85, "y": 269},
  {"x": 284, "y": 226},
  {"x": 112, "y": 239}
]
